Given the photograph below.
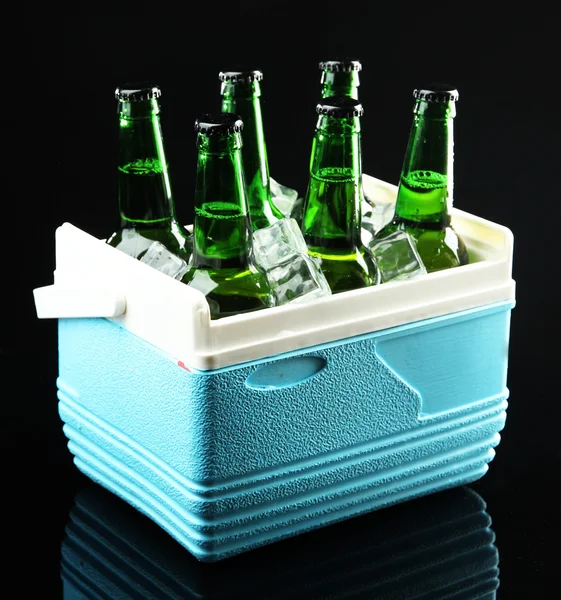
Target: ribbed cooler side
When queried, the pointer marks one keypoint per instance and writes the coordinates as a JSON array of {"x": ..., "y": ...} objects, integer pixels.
[
  {"x": 224, "y": 467},
  {"x": 442, "y": 546}
]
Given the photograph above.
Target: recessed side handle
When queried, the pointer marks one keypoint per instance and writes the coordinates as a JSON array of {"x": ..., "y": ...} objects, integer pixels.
[
  {"x": 55, "y": 302},
  {"x": 285, "y": 373}
]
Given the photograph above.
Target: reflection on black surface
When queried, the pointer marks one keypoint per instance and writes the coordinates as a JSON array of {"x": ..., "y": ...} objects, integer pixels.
[{"x": 440, "y": 546}]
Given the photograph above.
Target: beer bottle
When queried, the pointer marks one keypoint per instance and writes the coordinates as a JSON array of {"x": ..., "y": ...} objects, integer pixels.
[
  {"x": 425, "y": 191},
  {"x": 146, "y": 207},
  {"x": 332, "y": 205},
  {"x": 241, "y": 94},
  {"x": 221, "y": 265},
  {"x": 340, "y": 77}
]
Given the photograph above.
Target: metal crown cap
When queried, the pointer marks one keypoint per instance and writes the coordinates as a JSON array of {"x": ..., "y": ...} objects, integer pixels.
[
  {"x": 218, "y": 124},
  {"x": 437, "y": 92},
  {"x": 343, "y": 64},
  {"x": 136, "y": 92},
  {"x": 340, "y": 107},
  {"x": 241, "y": 75}
]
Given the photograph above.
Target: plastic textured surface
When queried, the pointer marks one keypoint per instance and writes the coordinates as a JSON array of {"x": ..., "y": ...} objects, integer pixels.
[{"x": 225, "y": 467}]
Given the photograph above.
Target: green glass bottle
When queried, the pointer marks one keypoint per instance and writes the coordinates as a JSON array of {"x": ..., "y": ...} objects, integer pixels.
[
  {"x": 241, "y": 94},
  {"x": 332, "y": 205},
  {"x": 146, "y": 207},
  {"x": 425, "y": 192},
  {"x": 221, "y": 265},
  {"x": 340, "y": 77}
]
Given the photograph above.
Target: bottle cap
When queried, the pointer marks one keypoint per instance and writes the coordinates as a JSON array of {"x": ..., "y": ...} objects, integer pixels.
[
  {"x": 437, "y": 92},
  {"x": 218, "y": 124},
  {"x": 135, "y": 92},
  {"x": 241, "y": 75},
  {"x": 340, "y": 106},
  {"x": 343, "y": 64}
]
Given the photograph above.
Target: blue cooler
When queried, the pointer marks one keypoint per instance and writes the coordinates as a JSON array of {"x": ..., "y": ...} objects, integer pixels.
[{"x": 235, "y": 433}]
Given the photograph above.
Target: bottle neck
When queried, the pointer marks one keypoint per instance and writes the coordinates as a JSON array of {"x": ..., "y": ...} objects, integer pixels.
[
  {"x": 222, "y": 231},
  {"x": 425, "y": 194},
  {"x": 333, "y": 197},
  {"x": 340, "y": 83},
  {"x": 244, "y": 99},
  {"x": 144, "y": 191}
]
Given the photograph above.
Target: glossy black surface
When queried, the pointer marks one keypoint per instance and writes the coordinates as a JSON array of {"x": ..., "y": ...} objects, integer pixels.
[
  {"x": 431, "y": 547},
  {"x": 506, "y": 165}
]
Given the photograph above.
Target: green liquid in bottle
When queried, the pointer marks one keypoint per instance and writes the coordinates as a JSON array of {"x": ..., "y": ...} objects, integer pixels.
[
  {"x": 423, "y": 198},
  {"x": 223, "y": 273},
  {"x": 423, "y": 195},
  {"x": 329, "y": 225},
  {"x": 144, "y": 193}
]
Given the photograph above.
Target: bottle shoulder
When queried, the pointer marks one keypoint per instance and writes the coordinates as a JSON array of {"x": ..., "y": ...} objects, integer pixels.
[
  {"x": 135, "y": 241},
  {"x": 346, "y": 268},
  {"x": 231, "y": 291},
  {"x": 439, "y": 247}
]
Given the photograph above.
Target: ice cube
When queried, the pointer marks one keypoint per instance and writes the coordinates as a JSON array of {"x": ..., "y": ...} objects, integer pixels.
[
  {"x": 280, "y": 251},
  {"x": 374, "y": 217},
  {"x": 160, "y": 258},
  {"x": 285, "y": 199},
  {"x": 298, "y": 279},
  {"x": 297, "y": 212},
  {"x": 281, "y": 240},
  {"x": 133, "y": 242},
  {"x": 397, "y": 257}
]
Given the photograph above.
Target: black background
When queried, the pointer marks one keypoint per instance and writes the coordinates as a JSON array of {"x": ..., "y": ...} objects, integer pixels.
[{"x": 507, "y": 164}]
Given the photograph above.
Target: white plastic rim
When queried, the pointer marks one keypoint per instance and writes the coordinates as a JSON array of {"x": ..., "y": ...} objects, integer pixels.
[{"x": 93, "y": 279}]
